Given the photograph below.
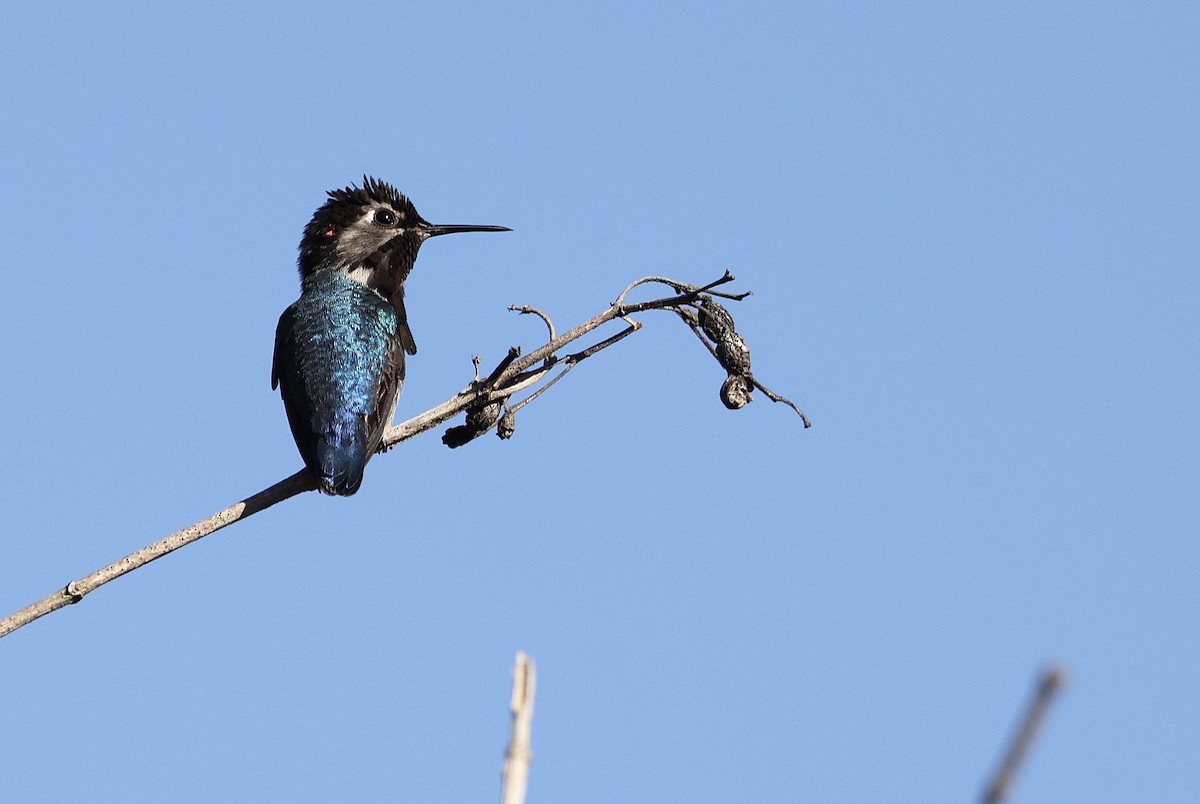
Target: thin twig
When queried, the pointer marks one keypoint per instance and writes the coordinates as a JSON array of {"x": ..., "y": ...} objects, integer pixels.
[
  {"x": 774, "y": 397},
  {"x": 584, "y": 354},
  {"x": 514, "y": 408},
  {"x": 572, "y": 361},
  {"x": 678, "y": 287},
  {"x": 528, "y": 309},
  {"x": 683, "y": 288},
  {"x": 1048, "y": 685}
]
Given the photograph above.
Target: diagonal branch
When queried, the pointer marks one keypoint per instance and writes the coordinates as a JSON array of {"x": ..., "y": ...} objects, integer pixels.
[
  {"x": 514, "y": 374},
  {"x": 75, "y": 590}
]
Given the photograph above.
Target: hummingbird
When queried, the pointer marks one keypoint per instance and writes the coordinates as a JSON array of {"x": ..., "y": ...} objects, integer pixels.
[{"x": 340, "y": 348}]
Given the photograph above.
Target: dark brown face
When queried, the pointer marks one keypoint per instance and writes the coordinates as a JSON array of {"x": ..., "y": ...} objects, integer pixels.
[
  {"x": 373, "y": 234},
  {"x": 371, "y": 229}
]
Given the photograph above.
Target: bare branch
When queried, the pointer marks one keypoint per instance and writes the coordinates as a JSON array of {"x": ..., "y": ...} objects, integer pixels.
[
  {"x": 75, "y": 590},
  {"x": 487, "y": 404}
]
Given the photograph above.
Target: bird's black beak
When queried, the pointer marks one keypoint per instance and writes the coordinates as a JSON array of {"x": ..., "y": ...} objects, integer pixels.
[{"x": 435, "y": 229}]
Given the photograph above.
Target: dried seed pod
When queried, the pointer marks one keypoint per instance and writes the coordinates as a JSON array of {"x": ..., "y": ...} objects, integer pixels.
[
  {"x": 508, "y": 425},
  {"x": 480, "y": 419},
  {"x": 483, "y": 417},
  {"x": 457, "y": 436},
  {"x": 715, "y": 320},
  {"x": 735, "y": 391},
  {"x": 733, "y": 353}
]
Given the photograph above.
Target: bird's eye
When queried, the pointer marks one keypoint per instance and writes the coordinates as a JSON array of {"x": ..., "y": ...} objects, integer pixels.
[{"x": 385, "y": 217}]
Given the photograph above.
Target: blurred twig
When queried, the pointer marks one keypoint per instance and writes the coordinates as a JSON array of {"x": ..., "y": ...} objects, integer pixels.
[
  {"x": 515, "y": 774},
  {"x": 1048, "y": 685}
]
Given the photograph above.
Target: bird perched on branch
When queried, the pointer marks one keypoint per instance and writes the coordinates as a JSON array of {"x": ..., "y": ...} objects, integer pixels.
[{"x": 339, "y": 349}]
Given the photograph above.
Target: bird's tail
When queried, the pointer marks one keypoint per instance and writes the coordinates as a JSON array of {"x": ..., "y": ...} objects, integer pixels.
[{"x": 342, "y": 455}]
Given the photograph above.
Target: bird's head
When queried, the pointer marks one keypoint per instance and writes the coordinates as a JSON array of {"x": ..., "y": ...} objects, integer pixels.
[{"x": 373, "y": 231}]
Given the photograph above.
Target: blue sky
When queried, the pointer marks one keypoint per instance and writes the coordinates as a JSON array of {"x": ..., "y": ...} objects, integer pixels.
[{"x": 971, "y": 233}]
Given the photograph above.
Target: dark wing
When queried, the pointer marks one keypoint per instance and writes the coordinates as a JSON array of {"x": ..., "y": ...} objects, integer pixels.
[
  {"x": 388, "y": 392},
  {"x": 404, "y": 333},
  {"x": 285, "y": 376},
  {"x": 282, "y": 331}
]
